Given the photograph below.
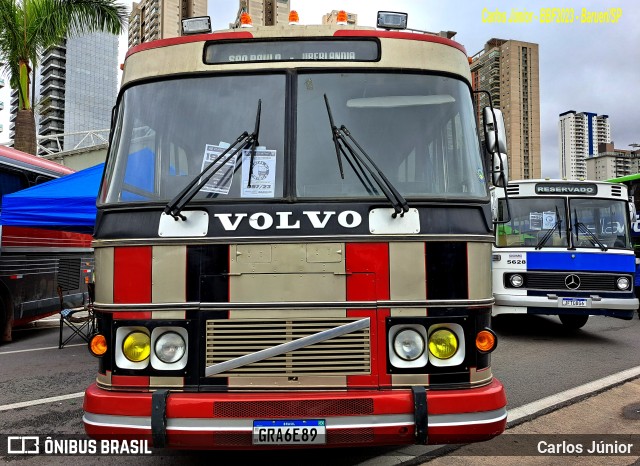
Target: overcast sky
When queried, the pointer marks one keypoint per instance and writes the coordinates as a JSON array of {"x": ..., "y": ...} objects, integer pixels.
[{"x": 584, "y": 67}]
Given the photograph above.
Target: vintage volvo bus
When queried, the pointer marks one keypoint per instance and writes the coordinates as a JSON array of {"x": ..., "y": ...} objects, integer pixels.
[
  {"x": 566, "y": 251},
  {"x": 293, "y": 244}
]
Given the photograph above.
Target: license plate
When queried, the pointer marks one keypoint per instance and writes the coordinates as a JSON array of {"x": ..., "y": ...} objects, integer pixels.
[
  {"x": 289, "y": 432},
  {"x": 575, "y": 302}
]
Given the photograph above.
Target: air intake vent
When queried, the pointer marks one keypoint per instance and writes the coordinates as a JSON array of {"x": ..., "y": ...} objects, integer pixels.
[
  {"x": 513, "y": 189},
  {"x": 343, "y": 355},
  {"x": 616, "y": 191},
  {"x": 69, "y": 274}
]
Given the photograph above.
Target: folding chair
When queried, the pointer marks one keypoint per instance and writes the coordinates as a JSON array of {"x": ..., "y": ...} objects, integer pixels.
[{"x": 81, "y": 321}]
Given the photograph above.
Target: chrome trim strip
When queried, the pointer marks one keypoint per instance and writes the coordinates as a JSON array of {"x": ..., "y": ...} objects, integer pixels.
[
  {"x": 98, "y": 243},
  {"x": 137, "y": 307},
  {"x": 338, "y": 422},
  {"x": 623, "y": 304},
  {"x": 45, "y": 249},
  {"x": 108, "y": 420},
  {"x": 465, "y": 419},
  {"x": 286, "y": 347}
]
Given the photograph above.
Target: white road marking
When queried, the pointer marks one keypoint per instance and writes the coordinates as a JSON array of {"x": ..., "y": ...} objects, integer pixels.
[
  {"x": 568, "y": 396},
  {"x": 42, "y": 401},
  {"x": 40, "y": 349}
]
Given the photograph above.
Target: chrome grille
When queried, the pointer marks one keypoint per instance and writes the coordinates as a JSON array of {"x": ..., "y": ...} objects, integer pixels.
[
  {"x": 344, "y": 355},
  {"x": 556, "y": 281}
]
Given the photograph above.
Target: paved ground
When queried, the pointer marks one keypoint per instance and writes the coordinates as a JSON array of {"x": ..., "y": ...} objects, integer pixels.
[{"x": 603, "y": 419}]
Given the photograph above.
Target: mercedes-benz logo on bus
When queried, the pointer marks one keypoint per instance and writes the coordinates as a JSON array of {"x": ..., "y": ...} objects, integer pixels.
[{"x": 572, "y": 282}]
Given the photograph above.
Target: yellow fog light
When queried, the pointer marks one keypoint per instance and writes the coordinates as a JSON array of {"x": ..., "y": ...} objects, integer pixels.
[
  {"x": 136, "y": 347},
  {"x": 443, "y": 343}
]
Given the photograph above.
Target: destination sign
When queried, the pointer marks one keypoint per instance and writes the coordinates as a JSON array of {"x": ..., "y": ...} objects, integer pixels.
[
  {"x": 291, "y": 50},
  {"x": 585, "y": 189}
]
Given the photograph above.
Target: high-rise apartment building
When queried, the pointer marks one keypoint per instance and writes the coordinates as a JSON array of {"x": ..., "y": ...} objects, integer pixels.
[
  {"x": 264, "y": 12},
  {"x": 509, "y": 71},
  {"x": 332, "y": 18},
  {"x": 578, "y": 138},
  {"x": 78, "y": 87},
  {"x": 612, "y": 163},
  {"x": 161, "y": 19}
]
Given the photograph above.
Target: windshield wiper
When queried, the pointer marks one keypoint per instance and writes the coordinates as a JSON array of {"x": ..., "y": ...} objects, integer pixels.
[
  {"x": 557, "y": 225},
  {"x": 244, "y": 141},
  {"x": 341, "y": 138},
  {"x": 581, "y": 226}
]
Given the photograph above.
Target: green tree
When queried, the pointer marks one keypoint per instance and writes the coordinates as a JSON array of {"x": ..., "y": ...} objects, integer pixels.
[{"x": 28, "y": 28}]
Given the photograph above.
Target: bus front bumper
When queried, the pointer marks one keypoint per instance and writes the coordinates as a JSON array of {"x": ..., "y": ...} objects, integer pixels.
[
  {"x": 226, "y": 420},
  {"x": 552, "y": 304}
]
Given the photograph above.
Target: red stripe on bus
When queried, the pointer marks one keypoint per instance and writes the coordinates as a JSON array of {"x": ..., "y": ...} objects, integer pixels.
[
  {"x": 39, "y": 162},
  {"x": 154, "y": 44},
  {"x": 367, "y": 267},
  {"x": 132, "y": 279},
  {"x": 370, "y": 259},
  {"x": 402, "y": 35},
  {"x": 39, "y": 237}
]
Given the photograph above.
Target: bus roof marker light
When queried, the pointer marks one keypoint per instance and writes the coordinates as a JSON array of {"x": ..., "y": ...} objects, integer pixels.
[
  {"x": 392, "y": 20},
  {"x": 342, "y": 18},
  {"x": 245, "y": 20},
  {"x": 294, "y": 18},
  {"x": 198, "y": 25}
]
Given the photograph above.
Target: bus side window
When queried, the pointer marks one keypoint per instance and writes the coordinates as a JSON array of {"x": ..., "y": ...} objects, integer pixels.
[{"x": 10, "y": 182}]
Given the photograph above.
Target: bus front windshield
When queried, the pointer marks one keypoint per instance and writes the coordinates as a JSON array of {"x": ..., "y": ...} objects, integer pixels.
[
  {"x": 536, "y": 222},
  {"x": 542, "y": 223},
  {"x": 599, "y": 222},
  {"x": 418, "y": 129}
]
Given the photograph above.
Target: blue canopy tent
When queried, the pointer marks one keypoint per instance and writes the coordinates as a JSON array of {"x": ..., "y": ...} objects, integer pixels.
[{"x": 67, "y": 203}]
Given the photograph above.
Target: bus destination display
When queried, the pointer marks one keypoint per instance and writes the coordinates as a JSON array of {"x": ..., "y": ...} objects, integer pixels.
[{"x": 294, "y": 50}]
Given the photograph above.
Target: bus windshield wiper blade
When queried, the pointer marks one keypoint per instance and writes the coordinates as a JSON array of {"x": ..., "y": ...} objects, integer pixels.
[
  {"x": 355, "y": 165},
  {"x": 341, "y": 138},
  {"x": 254, "y": 143},
  {"x": 556, "y": 226},
  {"x": 244, "y": 141},
  {"x": 581, "y": 226}
]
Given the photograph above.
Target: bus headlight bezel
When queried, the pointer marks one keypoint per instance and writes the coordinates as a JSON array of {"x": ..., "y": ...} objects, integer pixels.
[
  {"x": 516, "y": 280},
  {"x": 122, "y": 361},
  {"x": 156, "y": 361},
  {"x": 400, "y": 344},
  {"x": 396, "y": 361},
  {"x": 458, "y": 357},
  {"x": 623, "y": 283}
]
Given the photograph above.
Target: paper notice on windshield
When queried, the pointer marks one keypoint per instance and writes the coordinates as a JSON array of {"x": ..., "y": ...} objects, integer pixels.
[
  {"x": 221, "y": 181},
  {"x": 535, "y": 221},
  {"x": 263, "y": 175},
  {"x": 548, "y": 220}
]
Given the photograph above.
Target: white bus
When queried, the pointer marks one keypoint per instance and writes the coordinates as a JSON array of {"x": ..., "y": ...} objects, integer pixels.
[{"x": 565, "y": 251}]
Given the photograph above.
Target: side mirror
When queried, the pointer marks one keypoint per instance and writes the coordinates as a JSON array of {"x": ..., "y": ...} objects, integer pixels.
[
  {"x": 499, "y": 170},
  {"x": 495, "y": 136}
]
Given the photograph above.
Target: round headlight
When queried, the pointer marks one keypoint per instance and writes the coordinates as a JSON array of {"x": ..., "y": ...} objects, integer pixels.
[
  {"x": 443, "y": 343},
  {"x": 136, "y": 347},
  {"x": 408, "y": 344},
  {"x": 170, "y": 347},
  {"x": 516, "y": 280},
  {"x": 623, "y": 283}
]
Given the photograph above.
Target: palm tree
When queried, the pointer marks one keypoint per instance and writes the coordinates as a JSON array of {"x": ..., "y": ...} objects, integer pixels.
[{"x": 29, "y": 27}]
